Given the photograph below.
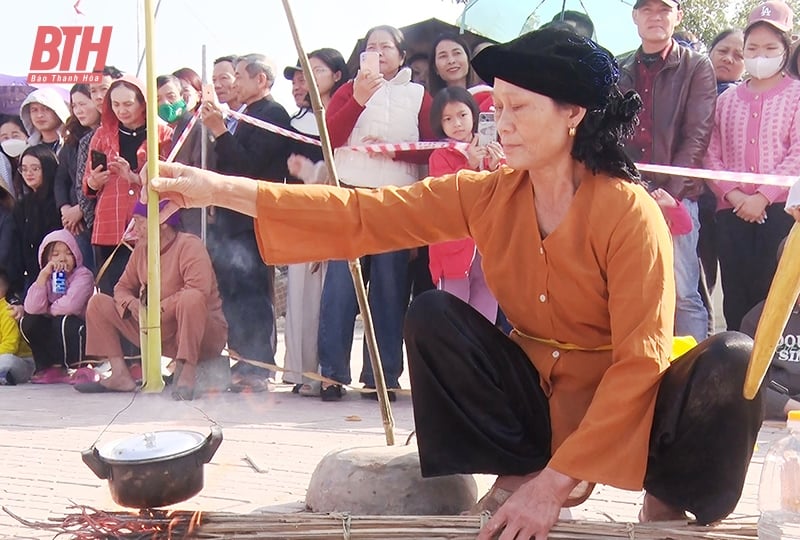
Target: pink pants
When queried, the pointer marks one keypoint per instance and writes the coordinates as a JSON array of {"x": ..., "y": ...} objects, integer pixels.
[{"x": 473, "y": 290}]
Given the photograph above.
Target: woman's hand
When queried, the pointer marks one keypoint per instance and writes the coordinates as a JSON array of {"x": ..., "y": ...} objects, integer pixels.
[
  {"x": 98, "y": 178},
  {"x": 496, "y": 155},
  {"x": 532, "y": 510},
  {"x": 120, "y": 166},
  {"x": 296, "y": 163},
  {"x": 369, "y": 139},
  {"x": 365, "y": 85},
  {"x": 72, "y": 219},
  {"x": 752, "y": 208},
  {"x": 476, "y": 154}
]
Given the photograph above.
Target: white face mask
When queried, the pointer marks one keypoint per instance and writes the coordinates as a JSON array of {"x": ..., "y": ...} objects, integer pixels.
[
  {"x": 762, "y": 67},
  {"x": 13, "y": 147}
]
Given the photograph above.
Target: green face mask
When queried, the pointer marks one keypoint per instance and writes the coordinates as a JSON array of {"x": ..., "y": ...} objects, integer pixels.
[{"x": 169, "y": 112}]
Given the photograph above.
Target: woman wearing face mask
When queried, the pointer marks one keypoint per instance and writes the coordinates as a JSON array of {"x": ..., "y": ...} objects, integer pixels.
[
  {"x": 69, "y": 193},
  {"x": 36, "y": 214},
  {"x": 757, "y": 130},
  {"x": 13, "y": 141},
  {"x": 122, "y": 138}
]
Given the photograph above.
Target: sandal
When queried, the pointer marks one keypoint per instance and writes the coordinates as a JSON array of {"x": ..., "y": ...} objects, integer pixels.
[{"x": 491, "y": 502}]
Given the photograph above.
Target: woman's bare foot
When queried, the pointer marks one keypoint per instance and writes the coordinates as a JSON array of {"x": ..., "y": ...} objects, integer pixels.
[
  {"x": 654, "y": 509},
  {"x": 121, "y": 382}
]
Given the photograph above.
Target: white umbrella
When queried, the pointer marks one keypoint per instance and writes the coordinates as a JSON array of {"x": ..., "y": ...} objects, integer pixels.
[{"x": 503, "y": 20}]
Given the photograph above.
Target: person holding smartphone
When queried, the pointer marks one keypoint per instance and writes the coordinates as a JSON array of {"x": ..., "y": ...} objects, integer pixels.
[
  {"x": 380, "y": 105},
  {"x": 117, "y": 152}
]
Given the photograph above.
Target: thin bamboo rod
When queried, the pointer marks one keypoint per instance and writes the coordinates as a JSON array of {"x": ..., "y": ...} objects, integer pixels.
[
  {"x": 151, "y": 347},
  {"x": 354, "y": 265}
]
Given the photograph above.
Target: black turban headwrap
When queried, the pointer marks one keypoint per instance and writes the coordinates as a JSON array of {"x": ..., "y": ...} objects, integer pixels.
[{"x": 556, "y": 63}]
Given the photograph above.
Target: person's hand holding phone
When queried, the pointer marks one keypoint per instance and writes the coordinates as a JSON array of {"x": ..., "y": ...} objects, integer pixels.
[
  {"x": 476, "y": 154},
  {"x": 211, "y": 115},
  {"x": 495, "y": 156},
  {"x": 368, "y": 79},
  {"x": 98, "y": 178},
  {"x": 120, "y": 166}
]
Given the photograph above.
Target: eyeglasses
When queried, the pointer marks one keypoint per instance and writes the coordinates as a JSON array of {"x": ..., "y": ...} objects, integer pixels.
[{"x": 32, "y": 168}]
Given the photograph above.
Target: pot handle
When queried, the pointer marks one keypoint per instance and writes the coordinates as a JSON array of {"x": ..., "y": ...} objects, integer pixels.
[
  {"x": 93, "y": 460},
  {"x": 212, "y": 443}
]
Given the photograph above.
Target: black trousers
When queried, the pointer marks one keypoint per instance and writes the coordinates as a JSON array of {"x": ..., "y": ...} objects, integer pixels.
[
  {"x": 54, "y": 341},
  {"x": 748, "y": 259},
  {"x": 478, "y": 408},
  {"x": 246, "y": 287}
]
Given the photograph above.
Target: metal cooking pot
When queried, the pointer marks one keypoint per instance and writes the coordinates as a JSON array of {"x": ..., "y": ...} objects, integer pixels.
[{"x": 154, "y": 469}]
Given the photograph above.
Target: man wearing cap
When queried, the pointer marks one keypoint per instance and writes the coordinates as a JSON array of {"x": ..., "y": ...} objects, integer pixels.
[{"x": 678, "y": 91}]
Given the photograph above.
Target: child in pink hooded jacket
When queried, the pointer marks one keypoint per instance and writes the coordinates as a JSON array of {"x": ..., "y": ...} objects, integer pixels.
[{"x": 53, "y": 323}]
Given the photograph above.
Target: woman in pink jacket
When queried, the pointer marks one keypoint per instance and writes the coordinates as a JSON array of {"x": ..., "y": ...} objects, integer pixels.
[{"x": 55, "y": 306}]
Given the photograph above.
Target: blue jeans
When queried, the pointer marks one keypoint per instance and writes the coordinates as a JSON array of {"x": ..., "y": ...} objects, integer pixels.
[
  {"x": 388, "y": 300},
  {"x": 691, "y": 316}
]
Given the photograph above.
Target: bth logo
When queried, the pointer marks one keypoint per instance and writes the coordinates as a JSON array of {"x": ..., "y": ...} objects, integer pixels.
[{"x": 55, "y": 48}]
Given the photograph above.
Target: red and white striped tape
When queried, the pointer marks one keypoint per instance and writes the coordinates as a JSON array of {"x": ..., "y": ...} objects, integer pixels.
[
  {"x": 419, "y": 146},
  {"x": 727, "y": 176},
  {"x": 380, "y": 148},
  {"x": 182, "y": 139},
  {"x": 272, "y": 127}
]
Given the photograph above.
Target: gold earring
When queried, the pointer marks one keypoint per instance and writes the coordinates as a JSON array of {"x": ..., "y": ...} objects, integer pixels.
[{"x": 572, "y": 131}]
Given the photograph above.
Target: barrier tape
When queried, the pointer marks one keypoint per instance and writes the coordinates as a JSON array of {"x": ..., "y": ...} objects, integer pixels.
[
  {"x": 423, "y": 146},
  {"x": 727, "y": 176},
  {"x": 379, "y": 148},
  {"x": 182, "y": 139}
]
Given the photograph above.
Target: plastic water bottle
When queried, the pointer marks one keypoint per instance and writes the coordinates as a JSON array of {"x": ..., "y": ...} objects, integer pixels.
[{"x": 779, "y": 489}]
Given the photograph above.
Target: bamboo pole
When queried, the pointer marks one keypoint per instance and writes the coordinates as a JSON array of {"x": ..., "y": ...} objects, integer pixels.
[
  {"x": 777, "y": 310},
  {"x": 355, "y": 266},
  {"x": 151, "y": 347},
  {"x": 204, "y": 156}
]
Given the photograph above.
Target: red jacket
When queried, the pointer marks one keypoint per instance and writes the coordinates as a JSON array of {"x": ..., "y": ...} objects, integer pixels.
[
  {"x": 116, "y": 198},
  {"x": 452, "y": 259}
]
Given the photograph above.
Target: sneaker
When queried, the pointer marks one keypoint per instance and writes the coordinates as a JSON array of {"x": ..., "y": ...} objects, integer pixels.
[{"x": 334, "y": 392}]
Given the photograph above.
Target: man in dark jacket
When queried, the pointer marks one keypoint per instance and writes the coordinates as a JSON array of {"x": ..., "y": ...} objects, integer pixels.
[
  {"x": 245, "y": 283},
  {"x": 678, "y": 90}
]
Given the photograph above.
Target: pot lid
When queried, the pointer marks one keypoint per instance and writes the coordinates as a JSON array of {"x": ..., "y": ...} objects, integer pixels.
[{"x": 153, "y": 445}]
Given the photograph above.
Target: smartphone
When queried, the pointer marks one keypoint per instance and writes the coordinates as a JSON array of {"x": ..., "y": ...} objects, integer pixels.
[
  {"x": 487, "y": 129},
  {"x": 370, "y": 62},
  {"x": 98, "y": 159},
  {"x": 208, "y": 93}
]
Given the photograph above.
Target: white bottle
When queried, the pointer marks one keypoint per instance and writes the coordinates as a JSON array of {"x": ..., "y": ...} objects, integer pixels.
[{"x": 779, "y": 489}]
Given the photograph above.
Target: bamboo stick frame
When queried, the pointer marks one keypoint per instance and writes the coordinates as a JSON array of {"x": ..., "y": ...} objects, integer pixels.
[
  {"x": 354, "y": 265},
  {"x": 151, "y": 311}
]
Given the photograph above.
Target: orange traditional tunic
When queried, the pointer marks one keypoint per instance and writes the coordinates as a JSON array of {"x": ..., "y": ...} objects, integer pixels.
[{"x": 592, "y": 304}]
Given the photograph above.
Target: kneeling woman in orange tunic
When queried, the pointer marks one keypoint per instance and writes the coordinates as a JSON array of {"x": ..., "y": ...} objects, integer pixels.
[
  {"x": 579, "y": 258},
  {"x": 193, "y": 327}
]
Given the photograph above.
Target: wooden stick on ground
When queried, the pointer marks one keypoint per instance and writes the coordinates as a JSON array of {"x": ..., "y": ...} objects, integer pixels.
[{"x": 355, "y": 266}]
